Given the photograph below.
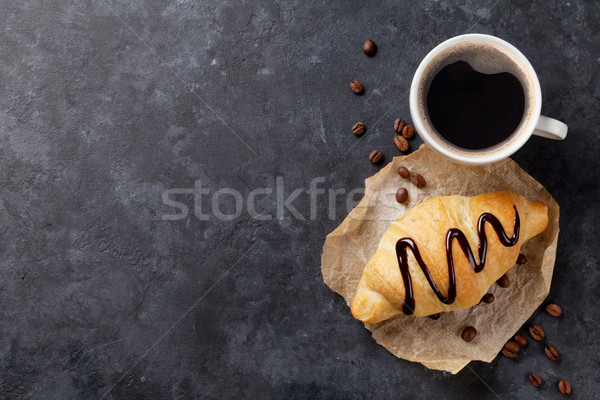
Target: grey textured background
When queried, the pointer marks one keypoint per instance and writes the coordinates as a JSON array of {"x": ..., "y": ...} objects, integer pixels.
[{"x": 100, "y": 296}]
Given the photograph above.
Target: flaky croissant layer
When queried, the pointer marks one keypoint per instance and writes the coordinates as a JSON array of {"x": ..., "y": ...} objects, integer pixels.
[{"x": 382, "y": 292}]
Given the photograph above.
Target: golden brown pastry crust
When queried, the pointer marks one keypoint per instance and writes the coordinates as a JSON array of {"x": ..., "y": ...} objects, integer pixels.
[{"x": 381, "y": 290}]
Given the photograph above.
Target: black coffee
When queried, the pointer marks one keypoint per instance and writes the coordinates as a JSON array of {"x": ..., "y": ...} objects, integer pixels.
[{"x": 473, "y": 110}]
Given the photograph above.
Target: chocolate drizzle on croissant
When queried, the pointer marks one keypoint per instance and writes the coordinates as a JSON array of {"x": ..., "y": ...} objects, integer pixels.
[{"x": 407, "y": 243}]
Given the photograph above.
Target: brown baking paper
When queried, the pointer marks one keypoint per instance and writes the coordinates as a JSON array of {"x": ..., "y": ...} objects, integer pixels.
[{"x": 437, "y": 344}]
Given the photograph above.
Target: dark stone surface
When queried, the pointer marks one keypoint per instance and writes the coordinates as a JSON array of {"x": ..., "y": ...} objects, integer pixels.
[{"x": 107, "y": 104}]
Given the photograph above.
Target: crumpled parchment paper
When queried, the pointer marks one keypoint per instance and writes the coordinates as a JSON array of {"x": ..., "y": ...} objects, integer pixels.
[{"x": 437, "y": 344}]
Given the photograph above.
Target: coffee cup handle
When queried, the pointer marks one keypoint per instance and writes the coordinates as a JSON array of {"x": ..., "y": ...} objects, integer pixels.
[{"x": 551, "y": 128}]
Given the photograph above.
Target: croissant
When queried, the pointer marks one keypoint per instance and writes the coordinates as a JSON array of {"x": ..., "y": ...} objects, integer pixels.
[{"x": 425, "y": 262}]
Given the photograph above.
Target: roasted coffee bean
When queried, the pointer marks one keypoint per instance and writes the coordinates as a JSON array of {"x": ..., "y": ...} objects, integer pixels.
[
  {"x": 401, "y": 143},
  {"x": 468, "y": 334},
  {"x": 356, "y": 87},
  {"x": 522, "y": 259},
  {"x": 564, "y": 386},
  {"x": 507, "y": 353},
  {"x": 399, "y": 125},
  {"x": 521, "y": 339},
  {"x": 503, "y": 282},
  {"x": 417, "y": 180},
  {"x": 403, "y": 172},
  {"x": 375, "y": 156},
  {"x": 401, "y": 195},
  {"x": 358, "y": 128},
  {"x": 535, "y": 380},
  {"x": 551, "y": 352},
  {"x": 536, "y": 332},
  {"x": 553, "y": 310},
  {"x": 488, "y": 298},
  {"x": 435, "y": 316},
  {"x": 369, "y": 48},
  {"x": 511, "y": 349},
  {"x": 512, "y": 346},
  {"x": 408, "y": 131}
]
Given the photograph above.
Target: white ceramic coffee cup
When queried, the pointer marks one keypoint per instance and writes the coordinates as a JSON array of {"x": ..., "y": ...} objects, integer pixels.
[{"x": 533, "y": 122}]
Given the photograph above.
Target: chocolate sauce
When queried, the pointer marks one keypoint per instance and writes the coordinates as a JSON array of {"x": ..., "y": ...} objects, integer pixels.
[{"x": 454, "y": 233}]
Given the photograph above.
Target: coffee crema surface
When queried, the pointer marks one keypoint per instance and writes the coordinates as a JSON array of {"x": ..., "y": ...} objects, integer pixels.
[
  {"x": 476, "y": 97},
  {"x": 473, "y": 110}
]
